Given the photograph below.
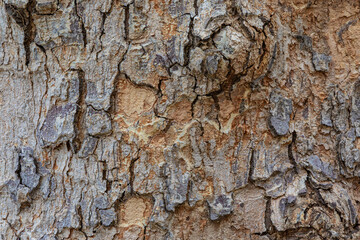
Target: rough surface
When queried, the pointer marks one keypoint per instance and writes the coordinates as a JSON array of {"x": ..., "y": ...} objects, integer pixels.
[{"x": 179, "y": 119}]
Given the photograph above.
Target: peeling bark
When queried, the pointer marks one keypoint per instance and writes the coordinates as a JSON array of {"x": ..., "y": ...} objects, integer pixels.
[{"x": 181, "y": 119}]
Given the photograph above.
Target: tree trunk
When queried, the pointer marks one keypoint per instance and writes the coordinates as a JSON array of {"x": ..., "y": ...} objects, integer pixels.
[{"x": 181, "y": 119}]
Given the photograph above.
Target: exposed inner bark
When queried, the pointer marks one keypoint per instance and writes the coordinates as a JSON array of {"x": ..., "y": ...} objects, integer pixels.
[{"x": 181, "y": 119}]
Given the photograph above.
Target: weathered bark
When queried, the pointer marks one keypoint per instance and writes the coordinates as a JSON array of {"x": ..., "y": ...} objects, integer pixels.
[{"x": 179, "y": 119}]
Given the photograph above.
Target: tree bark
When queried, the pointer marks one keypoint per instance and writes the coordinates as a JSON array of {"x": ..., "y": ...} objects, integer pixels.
[{"x": 181, "y": 119}]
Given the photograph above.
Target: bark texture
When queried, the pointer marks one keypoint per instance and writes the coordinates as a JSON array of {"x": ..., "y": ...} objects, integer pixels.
[{"x": 179, "y": 119}]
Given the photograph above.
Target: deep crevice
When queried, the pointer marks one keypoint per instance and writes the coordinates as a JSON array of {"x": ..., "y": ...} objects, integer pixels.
[
  {"x": 132, "y": 174},
  {"x": 126, "y": 23},
  {"x": 23, "y": 17},
  {"x": 80, "y": 114},
  {"x": 290, "y": 151},
  {"x": 83, "y": 30}
]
